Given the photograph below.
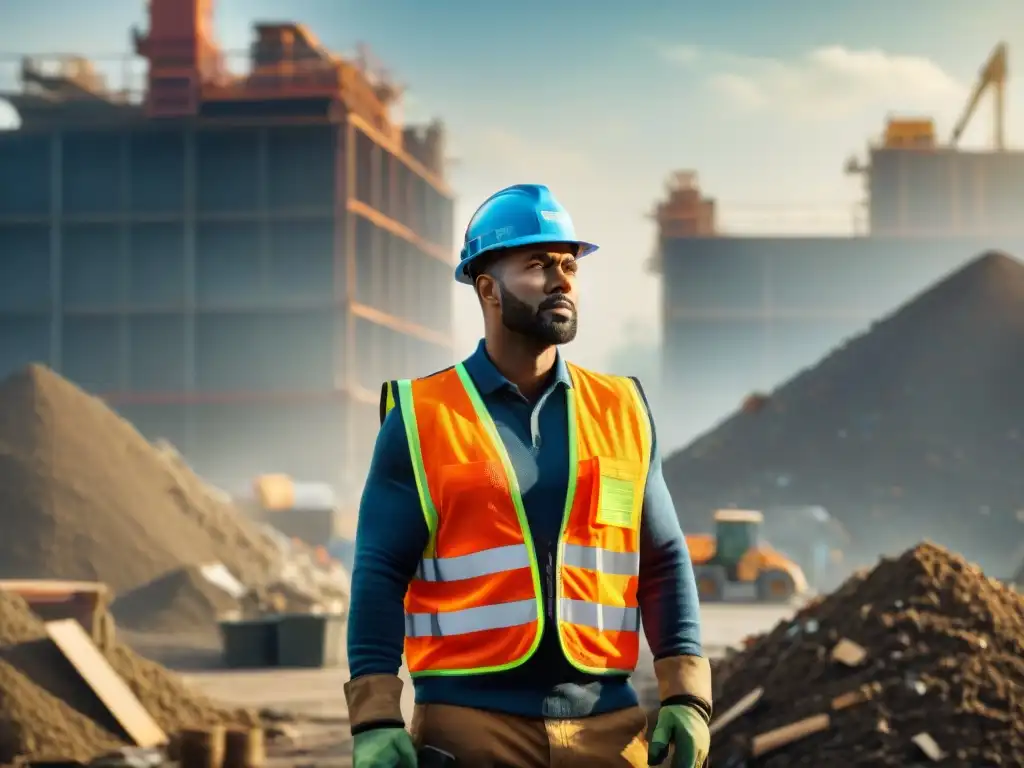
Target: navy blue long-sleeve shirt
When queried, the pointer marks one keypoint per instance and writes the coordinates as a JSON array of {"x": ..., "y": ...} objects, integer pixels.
[{"x": 392, "y": 535}]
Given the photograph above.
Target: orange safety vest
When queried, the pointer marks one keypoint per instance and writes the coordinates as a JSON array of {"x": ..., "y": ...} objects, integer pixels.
[{"x": 475, "y": 604}]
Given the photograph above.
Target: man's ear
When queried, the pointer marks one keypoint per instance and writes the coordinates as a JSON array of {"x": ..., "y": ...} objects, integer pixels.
[{"x": 487, "y": 290}]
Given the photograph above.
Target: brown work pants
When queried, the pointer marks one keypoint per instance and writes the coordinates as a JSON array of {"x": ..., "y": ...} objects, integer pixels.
[{"x": 481, "y": 739}]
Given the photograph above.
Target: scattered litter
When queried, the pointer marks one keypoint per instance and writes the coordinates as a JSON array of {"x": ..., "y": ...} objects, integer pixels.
[
  {"x": 930, "y": 748},
  {"x": 849, "y": 653}
]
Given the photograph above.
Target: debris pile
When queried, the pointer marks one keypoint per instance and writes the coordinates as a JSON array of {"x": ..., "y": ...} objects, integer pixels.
[
  {"x": 183, "y": 600},
  {"x": 46, "y": 711},
  {"x": 919, "y": 661},
  {"x": 913, "y": 430},
  {"x": 309, "y": 579}
]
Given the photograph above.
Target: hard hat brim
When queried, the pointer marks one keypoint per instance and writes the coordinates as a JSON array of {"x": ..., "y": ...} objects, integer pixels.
[{"x": 461, "y": 275}]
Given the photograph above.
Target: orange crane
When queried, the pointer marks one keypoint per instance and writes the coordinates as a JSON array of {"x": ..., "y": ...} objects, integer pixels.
[
  {"x": 917, "y": 133},
  {"x": 993, "y": 76}
]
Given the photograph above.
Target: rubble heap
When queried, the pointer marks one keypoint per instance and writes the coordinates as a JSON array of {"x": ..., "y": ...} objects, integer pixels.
[
  {"x": 47, "y": 712},
  {"x": 913, "y": 430},
  {"x": 922, "y": 653},
  {"x": 183, "y": 600},
  {"x": 84, "y": 496}
]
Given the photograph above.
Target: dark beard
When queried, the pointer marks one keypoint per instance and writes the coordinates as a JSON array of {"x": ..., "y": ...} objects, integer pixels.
[{"x": 519, "y": 317}]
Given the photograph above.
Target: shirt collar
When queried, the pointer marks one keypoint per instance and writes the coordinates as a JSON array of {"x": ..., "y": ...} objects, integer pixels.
[{"x": 489, "y": 379}]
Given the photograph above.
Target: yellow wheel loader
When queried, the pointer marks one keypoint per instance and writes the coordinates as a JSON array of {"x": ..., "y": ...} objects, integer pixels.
[{"x": 733, "y": 565}]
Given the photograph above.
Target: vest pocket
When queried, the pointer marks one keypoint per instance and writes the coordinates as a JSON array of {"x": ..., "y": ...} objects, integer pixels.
[{"x": 617, "y": 490}]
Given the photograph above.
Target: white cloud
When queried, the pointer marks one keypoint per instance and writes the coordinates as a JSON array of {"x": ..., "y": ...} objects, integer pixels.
[
  {"x": 835, "y": 82},
  {"x": 678, "y": 54},
  {"x": 507, "y": 155}
]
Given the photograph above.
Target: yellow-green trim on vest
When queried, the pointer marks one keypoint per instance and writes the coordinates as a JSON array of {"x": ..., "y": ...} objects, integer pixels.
[
  {"x": 405, "y": 399},
  {"x": 573, "y": 454},
  {"x": 419, "y": 472}
]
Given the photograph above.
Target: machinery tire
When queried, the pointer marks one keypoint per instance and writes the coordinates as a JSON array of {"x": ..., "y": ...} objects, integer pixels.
[
  {"x": 711, "y": 582},
  {"x": 775, "y": 586}
]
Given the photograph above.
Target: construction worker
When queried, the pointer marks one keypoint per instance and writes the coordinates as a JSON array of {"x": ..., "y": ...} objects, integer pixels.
[{"x": 514, "y": 526}]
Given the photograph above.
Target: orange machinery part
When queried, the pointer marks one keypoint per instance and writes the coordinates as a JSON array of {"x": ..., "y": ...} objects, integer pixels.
[
  {"x": 701, "y": 546},
  {"x": 702, "y": 549},
  {"x": 55, "y": 599}
]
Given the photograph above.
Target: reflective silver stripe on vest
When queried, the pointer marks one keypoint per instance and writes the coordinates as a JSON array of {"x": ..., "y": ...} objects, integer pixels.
[
  {"x": 602, "y": 560},
  {"x": 486, "y": 563},
  {"x": 469, "y": 620},
  {"x": 601, "y": 617}
]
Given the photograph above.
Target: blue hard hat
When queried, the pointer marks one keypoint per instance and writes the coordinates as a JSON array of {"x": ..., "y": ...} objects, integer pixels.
[{"x": 519, "y": 215}]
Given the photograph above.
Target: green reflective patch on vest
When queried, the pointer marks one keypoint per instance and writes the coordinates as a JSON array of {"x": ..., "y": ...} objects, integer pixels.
[{"x": 615, "y": 502}]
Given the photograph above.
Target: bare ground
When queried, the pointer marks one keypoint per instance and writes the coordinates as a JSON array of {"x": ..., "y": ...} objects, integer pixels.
[{"x": 314, "y": 699}]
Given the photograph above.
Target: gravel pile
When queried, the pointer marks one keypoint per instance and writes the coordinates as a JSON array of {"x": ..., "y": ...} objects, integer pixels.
[{"x": 913, "y": 430}]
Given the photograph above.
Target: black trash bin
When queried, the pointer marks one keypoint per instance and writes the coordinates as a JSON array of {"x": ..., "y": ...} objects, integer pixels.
[
  {"x": 250, "y": 643},
  {"x": 310, "y": 640}
]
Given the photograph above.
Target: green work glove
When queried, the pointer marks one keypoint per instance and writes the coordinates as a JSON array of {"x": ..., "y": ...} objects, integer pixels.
[
  {"x": 383, "y": 748},
  {"x": 683, "y": 727}
]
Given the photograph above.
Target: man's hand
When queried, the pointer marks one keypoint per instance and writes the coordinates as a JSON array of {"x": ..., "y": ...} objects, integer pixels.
[
  {"x": 375, "y": 712},
  {"x": 383, "y": 748},
  {"x": 685, "y": 729}
]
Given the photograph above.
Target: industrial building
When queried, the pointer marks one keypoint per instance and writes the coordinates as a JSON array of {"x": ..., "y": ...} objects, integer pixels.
[
  {"x": 742, "y": 314},
  {"x": 234, "y": 262}
]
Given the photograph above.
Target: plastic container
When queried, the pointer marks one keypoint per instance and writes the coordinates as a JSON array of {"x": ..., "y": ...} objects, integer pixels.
[
  {"x": 310, "y": 640},
  {"x": 251, "y": 643}
]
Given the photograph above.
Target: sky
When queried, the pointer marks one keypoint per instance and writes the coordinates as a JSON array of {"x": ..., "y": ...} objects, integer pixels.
[{"x": 602, "y": 100}]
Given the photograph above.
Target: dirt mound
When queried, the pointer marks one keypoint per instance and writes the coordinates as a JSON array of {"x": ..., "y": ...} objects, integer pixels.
[
  {"x": 84, "y": 496},
  {"x": 944, "y": 656},
  {"x": 182, "y": 600},
  {"x": 913, "y": 430},
  {"x": 46, "y": 711}
]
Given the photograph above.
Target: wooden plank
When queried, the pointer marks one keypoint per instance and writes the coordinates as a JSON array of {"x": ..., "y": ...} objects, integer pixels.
[
  {"x": 737, "y": 710},
  {"x": 50, "y": 586},
  {"x": 771, "y": 740},
  {"x": 108, "y": 686}
]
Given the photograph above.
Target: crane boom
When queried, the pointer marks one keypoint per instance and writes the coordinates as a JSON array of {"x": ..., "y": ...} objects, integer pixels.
[{"x": 993, "y": 75}]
